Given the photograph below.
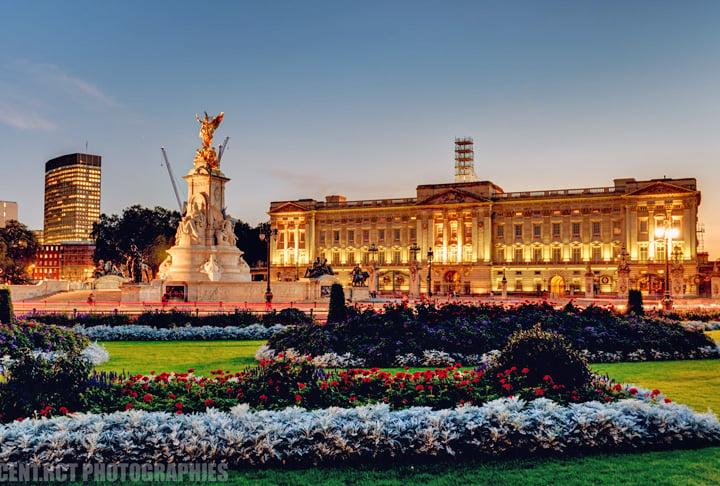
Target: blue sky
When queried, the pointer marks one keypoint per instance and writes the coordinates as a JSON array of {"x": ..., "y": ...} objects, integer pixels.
[{"x": 362, "y": 99}]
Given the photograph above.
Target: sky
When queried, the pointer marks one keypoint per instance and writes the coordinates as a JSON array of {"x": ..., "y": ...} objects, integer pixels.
[{"x": 362, "y": 99}]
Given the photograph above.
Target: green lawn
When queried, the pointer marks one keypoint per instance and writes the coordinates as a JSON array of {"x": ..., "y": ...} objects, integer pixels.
[
  {"x": 142, "y": 357},
  {"x": 695, "y": 383}
]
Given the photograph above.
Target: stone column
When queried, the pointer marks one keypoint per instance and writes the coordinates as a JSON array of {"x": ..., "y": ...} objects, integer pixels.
[
  {"x": 715, "y": 286},
  {"x": 589, "y": 283},
  {"x": 676, "y": 282}
]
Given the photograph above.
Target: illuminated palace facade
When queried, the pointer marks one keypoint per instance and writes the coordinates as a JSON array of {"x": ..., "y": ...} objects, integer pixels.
[{"x": 539, "y": 241}]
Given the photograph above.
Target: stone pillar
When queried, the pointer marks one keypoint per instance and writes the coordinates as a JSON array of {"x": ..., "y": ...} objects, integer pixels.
[
  {"x": 414, "y": 292},
  {"x": 623, "y": 283},
  {"x": 589, "y": 283},
  {"x": 676, "y": 282},
  {"x": 715, "y": 286}
]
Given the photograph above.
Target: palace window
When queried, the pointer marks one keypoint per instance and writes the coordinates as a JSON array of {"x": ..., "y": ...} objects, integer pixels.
[
  {"x": 596, "y": 254},
  {"x": 500, "y": 255},
  {"x": 575, "y": 230},
  {"x": 381, "y": 235},
  {"x": 616, "y": 228},
  {"x": 596, "y": 228},
  {"x": 396, "y": 235},
  {"x": 576, "y": 254},
  {"x": 556, "y": 230},
  {"x": 518, "y": 231},
  {"x": 643, "y": 253},
  {"x": 518, "y": 257},
  {"x": 413, "y": 234},
  {"x": 322, "y": 239},
  {"x": 500, "y": 231},
  {"x": 556, "y": 254},
  {"x": 537, "y": 255},
  {"x": 396, "y": 257},
  {"x": 351, "y": 237},
  {"x": 537, "y": 230},
  {"x": 336, "y": 238},
  {"x": 366, "y": 236}
]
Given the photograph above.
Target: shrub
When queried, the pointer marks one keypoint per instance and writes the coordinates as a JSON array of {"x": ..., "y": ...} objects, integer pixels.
[
  {"x": 635, "y": 303},
  {"x": 337, "y": 311},
  {"x": 36, "y": 385},
  {"x": 544, "y": 358},
  {"x": 6, "y": 307}
]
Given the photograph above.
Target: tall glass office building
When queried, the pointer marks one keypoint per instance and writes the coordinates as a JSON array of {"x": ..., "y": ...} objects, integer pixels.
[{"x": 72, "y": 197}]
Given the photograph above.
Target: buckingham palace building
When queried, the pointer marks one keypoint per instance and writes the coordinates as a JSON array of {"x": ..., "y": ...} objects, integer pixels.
[{"x": 466, "y": 237}]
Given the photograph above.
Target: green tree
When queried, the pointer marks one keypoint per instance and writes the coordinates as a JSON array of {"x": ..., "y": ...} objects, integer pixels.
[
  {"x": 151, "y": 230},
  {"x": 248, "y": 240},
  {"x": 18, "y": 249},
  {"x": 337, "y": 311}
]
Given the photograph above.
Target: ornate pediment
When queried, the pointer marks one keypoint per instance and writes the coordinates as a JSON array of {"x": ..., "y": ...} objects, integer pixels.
[
  {"x": 289, "y": 207},
  {"x": 453, "y": 196},
  {"x": 660, "y": 187}
]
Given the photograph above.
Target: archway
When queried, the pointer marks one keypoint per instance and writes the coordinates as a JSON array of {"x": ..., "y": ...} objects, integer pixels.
[
  {"x": 557, "y": 285},
  {"x": 452, "y": 281}
]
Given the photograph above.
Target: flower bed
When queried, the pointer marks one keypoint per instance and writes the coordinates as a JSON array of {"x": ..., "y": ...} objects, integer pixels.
[
  {"x": 133, "y": 332},
  {"x": 463, "y": 331},
  {"x": 25, "y": 336},
  {"x": 174, "y": 318},
  {"x": 295, "y": 436}
]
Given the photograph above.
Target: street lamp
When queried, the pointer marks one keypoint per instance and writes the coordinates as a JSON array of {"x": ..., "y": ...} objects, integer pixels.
[
  {"x": 429, "y": 276},
  {"x": 667, "y": 233},
  {"x": 373, "y": 253},
  {"x": 414, "y": 249},
  {"x": 266, "y": 233}
]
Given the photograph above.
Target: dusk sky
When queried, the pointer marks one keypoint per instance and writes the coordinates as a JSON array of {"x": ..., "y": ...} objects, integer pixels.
[{"x": 362, "y": 99}]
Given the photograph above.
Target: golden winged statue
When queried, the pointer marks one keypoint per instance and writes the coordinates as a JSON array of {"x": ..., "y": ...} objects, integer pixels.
[{"x": 206, "y": 155}]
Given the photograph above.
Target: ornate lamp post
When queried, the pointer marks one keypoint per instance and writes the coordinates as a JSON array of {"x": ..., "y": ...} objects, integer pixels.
[
  {"x": 266, "y": 233},
  {"x": 429, "y": 276},
  {"x": 414, "y": 249},
  {"x": 667, "y": 233},
  {"x": 373, "y": 253},
  {"x": 414, "y": 290}
]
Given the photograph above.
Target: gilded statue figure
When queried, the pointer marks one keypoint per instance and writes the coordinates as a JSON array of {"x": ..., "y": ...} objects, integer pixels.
[{"x": 207, "y": 155}]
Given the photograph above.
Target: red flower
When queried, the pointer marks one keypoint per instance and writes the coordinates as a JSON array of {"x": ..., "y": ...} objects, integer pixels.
[
  {"x": 667, "y": 400},
  {"x": 298, "y": 398},
  {"x": 263, "y": 398},
  {"x": 209, "y": 401},
  {"x": 632, "y": 391},
  {"x": 148, "y": 398},
  {"x": 128, "y": 406},
  {"x": 539, "y": 392},
  {"x": 419, "y": 388},
  {"x": 525, "y": 371},
  {"x": 63, "y": 411},
  {"x": 178, "y": 405},
  {"x": 191, "y": 370},
  {"x": 507, "y": 386},
  {"x": 172, "y": 397},
  {"x": 301, "y": 385}
]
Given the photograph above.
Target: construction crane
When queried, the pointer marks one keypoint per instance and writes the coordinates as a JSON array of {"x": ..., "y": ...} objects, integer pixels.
[
  {"x": 222, "y": 148},
  {"x": 172, "y": 179}
]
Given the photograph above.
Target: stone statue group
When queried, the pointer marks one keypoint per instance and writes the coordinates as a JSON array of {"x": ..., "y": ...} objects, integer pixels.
[
  {"x": 133, "y": 267},
  {"x": 318, "y": 269},
  {"x": 201, "y": 216}
]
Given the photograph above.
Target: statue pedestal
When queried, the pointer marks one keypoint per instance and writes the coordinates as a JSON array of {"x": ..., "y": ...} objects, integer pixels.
[
  {"x": 359, "y": 294},
  {"x": 623, "y": 284}
]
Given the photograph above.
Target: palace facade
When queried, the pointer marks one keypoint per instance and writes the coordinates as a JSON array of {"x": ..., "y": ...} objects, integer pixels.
[{"x": 469, "y": 236}]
